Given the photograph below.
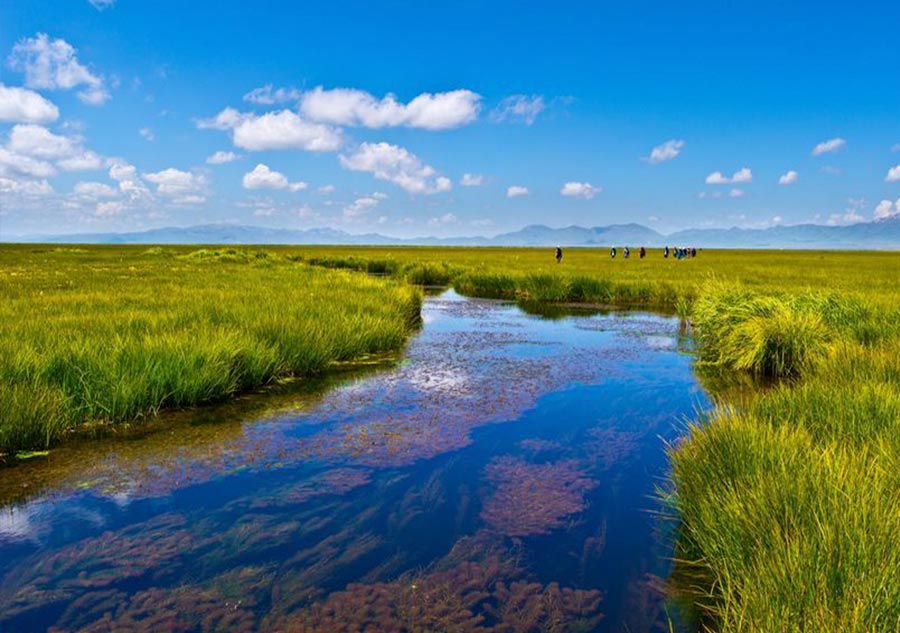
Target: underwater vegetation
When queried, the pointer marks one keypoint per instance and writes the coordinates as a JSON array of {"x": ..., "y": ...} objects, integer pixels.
[{"x": 530, "y": 498}]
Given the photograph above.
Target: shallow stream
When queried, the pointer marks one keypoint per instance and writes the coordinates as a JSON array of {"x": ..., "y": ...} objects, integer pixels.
[{"x": 500, "y": 476}]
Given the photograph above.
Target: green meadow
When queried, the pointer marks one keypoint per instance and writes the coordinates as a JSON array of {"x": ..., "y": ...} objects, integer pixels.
[
  {"x": 108, "y": 335},
  {"x": 788, "y": 499}
]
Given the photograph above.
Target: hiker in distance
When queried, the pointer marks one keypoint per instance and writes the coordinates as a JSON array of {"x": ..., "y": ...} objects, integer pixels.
[{"x": 558, "y": 254}]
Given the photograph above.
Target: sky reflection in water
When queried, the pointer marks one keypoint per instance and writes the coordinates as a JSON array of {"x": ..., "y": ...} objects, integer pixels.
[{"x": 498, "y": 478}]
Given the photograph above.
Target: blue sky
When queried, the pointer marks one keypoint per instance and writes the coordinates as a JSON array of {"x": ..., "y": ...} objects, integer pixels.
[{"x": 370, "y": 116}]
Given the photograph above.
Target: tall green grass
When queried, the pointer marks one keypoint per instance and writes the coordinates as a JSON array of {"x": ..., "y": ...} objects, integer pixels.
[
  {"x": 789, "y": 501},
  {"x": 106, "y": 335}
]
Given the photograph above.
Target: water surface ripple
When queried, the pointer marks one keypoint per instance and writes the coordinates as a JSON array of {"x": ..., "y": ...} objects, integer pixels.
[{"x": 498, "y": 478}]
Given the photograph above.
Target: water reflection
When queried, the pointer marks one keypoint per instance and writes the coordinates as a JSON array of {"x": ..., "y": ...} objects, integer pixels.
[{"x": 498, "y": 479}]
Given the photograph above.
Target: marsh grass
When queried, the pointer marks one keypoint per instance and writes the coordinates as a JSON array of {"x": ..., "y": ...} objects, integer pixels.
[
  {"x": 111, "y": 336},
  {"x": 788, "y": 500}
]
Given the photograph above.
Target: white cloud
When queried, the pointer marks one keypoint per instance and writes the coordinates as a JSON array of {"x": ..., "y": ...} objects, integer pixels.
[
  {"x": 95, "y": 190},
  {"x": 667, "y": 151},
  {"x": 274, "y": 130},
  {"x": 709, "y": 194},
  {"x": 583, "y": 190},
  {"x": 147, "y": 133},
  {"x": 52, "y": 65},
  {"x": 113, "y": 207},
  {"x": 515, "y": 191},
  {"x": 326, "y": 189},
  {"x": 345, "y": 106},
  {"x": 222, "y": 157},
  {"x": 471, "y": 180},
  {"x": 742, "y": 175},
  {"x": 397, "y": 165},
  {"x": 521, "y": 108},
  {"x": 788, "y": 178},
  {"x": 11, "y": 162},
  {"x": 101, "y": 5},
  {"x": 777, "y": 219},
  {"x": 264, "y": 178},
  {"x": 887, "y": 209},
  {"x": 227, "y": 119},
  {"x": 893, "y": 174},
  {"x": 18, "y": 105},
  {"x": 83, "y": 161},
  {"x": 447, "y": 218},
  {"x": 361, "y": 206},
  {"x": 38, "y": 141},
  {"x": 736, "y": 193},
  {"x": 30, "y": 188},
  {"x": 826, "y": 147},
  {"x": 184, "y": 186},
  {"x": 268, "y": 96},
  {"x": 130, "y": 183}
]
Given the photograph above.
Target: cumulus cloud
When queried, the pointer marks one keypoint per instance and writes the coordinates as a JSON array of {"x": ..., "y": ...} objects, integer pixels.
[
  {"x": 742, "y": 175},
  {"x": 264, "y": 178},
  {"x": 360, "y": 207},
  {"x": 583, "y": 190},
  {"x": 515, "y": 191},
  {"x": 19, "y": 105},
  {"x": 52, "y": 65},
  {"x": 82, "y": 161},
  {"x": 95, "y": 190},
  {"x": 274, "y": 130},
  {"x": 736, "y": 193},
  {"x": 183, "y": 187},
  {"x": 667, "y": 151},
  {"x": 826, "y": 147},
  {"x": 519, "y": 108},
  {"x": 147, "y": 133},
  {"x": 38, "y": 141},
  {"x": 345, "y": 106},
  {"x": 444, "y": 220},
  {"x": 12, "y": 163},
  {"x": 887, "y": 209},
  {"x": 893, "y": 174},
  {"x": 267, "y": 95},
  {"x": 326, "y": 190},
  {"x": 106, "y": 209},
  {"x": 397, "y": 165},
  {"x": 26, "y": 187},
  {"x": 788, "y": 178},
  {"x": 222, "y": 157},
  {"x": 28, "y": 140},
  {"x": 471, "y": 180},
  {"x": 101, "y": 5}
]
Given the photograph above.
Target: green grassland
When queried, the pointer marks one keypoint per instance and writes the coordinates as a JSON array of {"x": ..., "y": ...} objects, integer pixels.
[
  {"x": 112, "y": 334},
  {"x": 789, "y": 500}
]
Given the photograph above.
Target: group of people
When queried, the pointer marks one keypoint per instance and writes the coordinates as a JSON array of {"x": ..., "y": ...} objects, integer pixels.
[{"x": 677, "y": 252}]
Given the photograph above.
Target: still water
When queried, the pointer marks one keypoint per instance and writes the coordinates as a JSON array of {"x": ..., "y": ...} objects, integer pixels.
[{"x": 500, "y": 477}]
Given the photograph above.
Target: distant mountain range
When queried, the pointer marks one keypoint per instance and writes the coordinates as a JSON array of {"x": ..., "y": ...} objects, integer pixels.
[{"x": 880, "y": 234}]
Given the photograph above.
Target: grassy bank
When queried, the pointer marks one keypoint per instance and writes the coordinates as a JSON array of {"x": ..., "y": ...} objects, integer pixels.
[
  {"x": 111, "y": 334},
  {"x": 789, "y": 501}
]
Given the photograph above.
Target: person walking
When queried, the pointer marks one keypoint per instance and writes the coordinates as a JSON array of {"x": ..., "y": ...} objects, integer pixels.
[
  {"x": 666, "y": 252},
  {"x": 612, "y": 252},
  {"x": 643, "y": 252},
  {"x": 626, "y": 252},
  {"x": 558, "y": 254}
]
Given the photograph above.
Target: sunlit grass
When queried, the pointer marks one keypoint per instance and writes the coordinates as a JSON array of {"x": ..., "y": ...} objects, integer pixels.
[
  {"x": 789, "y": 506},
  {"x": 113, "y": 334}
]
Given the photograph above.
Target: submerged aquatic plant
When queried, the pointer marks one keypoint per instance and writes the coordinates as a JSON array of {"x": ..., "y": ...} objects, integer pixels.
[{"x": 532, "y": 498}]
